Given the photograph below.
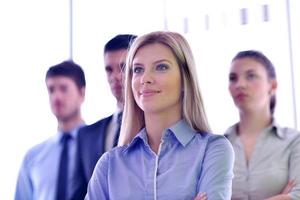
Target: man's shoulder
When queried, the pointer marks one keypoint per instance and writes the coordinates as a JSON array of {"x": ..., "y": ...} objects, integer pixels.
[
  {"x": 39, "y": 150},
  {"x": 96, "y": 126}
]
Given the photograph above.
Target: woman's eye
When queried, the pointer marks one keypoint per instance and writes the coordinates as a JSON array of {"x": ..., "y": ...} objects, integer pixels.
[
  {"x": 162, "y": 67},
  {"x": 251, "y": 76},
  {"x": 232, "y": 78},
  {"x": 137, "y": 69}
]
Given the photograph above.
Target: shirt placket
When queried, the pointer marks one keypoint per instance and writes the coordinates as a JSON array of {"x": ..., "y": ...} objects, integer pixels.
[
  {"x": 253, "y": 163},
  {"x": 152, "y": 175},
  {"x": 245, "y": 167}
]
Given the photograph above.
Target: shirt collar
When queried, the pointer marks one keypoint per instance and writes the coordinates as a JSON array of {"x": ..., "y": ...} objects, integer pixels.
[
  {"x": 277, "y": 129},
  {"x": 273, "y": 128},
  {"x": 181, "y": 130},
  {"x": 73, "y": 133},
  {"x": 141, "y": 136},
  {"x": 231, "y": 132},
  {"x": 116, "y": 113}
]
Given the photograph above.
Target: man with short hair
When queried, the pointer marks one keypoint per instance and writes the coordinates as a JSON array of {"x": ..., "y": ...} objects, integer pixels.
[
  {"x": 48, "y": 169},
  {"x": 101, "y": 136}
]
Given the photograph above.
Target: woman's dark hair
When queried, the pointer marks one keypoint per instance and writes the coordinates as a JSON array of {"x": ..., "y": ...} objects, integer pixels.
[{"x": 262, "y": 59}]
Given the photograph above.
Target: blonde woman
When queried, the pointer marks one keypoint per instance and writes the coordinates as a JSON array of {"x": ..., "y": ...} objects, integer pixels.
[{"x": 166, "y": 150}]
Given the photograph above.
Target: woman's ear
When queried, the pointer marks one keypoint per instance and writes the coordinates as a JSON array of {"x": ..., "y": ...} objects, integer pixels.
[{"x": 273, "y": 87}]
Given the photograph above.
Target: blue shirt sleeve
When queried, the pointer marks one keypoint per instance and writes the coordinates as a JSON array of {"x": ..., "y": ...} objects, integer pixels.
[
  {"x": 217, "y": 170},
  {"x": 24, "y": 190},
  {"x": 98, "y": 185}
]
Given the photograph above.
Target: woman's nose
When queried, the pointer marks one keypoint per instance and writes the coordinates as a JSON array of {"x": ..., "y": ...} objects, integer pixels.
[
  {"x": 240, "y": 83},
  {"x": 147, "y": 78}
]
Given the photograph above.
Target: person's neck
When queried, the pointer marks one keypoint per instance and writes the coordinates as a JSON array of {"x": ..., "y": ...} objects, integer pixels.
[
  {"x": 156, "y": 124},
  {"x": 252, "y": 123},
  {"x": 120, "y": 105},
  {"x": 70, "y": 124}
]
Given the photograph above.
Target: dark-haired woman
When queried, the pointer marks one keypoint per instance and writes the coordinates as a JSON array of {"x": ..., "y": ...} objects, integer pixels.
[{"x": 267, "y": 163}]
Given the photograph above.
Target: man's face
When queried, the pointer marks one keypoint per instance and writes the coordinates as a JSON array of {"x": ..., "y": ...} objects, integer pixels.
[
  {"x": 114, "y": 61},
  {"x": 65, "y": 97}
]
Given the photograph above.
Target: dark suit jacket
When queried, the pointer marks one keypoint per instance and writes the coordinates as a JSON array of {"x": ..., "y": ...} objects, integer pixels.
[{"x": 91, "y": 145}]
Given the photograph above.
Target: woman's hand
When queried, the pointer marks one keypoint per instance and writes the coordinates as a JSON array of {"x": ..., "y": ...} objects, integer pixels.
[
  {"x": 201, "y": 196},
  {"x": 284, "y": 194},
  {"x": 291, "y": 184}
]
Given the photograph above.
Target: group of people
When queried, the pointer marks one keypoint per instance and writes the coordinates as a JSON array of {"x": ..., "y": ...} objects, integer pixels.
[{"x": 158, "y": 143}]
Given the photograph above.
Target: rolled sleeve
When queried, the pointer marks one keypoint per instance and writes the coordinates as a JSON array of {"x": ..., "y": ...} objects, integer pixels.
[
  {"x": 294, "y": 168},
  {"x": 217, "y": 171}
]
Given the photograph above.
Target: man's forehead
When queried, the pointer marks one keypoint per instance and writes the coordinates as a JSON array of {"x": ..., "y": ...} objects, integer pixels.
[
  {"x": 59, "y": 80},
  {"x": 116, "y": 53}
]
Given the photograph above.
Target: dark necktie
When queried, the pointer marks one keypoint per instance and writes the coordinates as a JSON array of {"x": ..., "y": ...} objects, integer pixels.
[
  {"x": 61, "y": 191},
  {"x": 79, "y": 187},
  {"x": 117, "y": 133}
]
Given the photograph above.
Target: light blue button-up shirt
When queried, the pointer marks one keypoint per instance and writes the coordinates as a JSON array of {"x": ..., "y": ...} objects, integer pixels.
[
  {"x": 186, "y": 164},
  {"x": 37, "y": 178}
]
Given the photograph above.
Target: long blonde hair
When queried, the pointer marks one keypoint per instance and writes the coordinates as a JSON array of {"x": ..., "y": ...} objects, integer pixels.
[{"x": 192, "y": 103}]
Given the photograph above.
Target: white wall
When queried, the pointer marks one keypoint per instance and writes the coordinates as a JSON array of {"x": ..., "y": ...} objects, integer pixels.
[
  {"x": 295, "y": 40},
  {"x": 34, "y": 35}
]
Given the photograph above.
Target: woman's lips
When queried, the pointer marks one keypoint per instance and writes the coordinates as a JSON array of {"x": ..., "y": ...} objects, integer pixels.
[{"x": 148, "y": 93}]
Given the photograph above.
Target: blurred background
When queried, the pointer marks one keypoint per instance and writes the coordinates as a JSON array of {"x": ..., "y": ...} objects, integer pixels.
[{"x": 36, "y": 34}]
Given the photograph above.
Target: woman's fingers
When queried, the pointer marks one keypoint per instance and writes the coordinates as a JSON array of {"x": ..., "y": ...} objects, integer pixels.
[
  {"x": 201, "y": 196},
  {"x": 290, "y": 185}
]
